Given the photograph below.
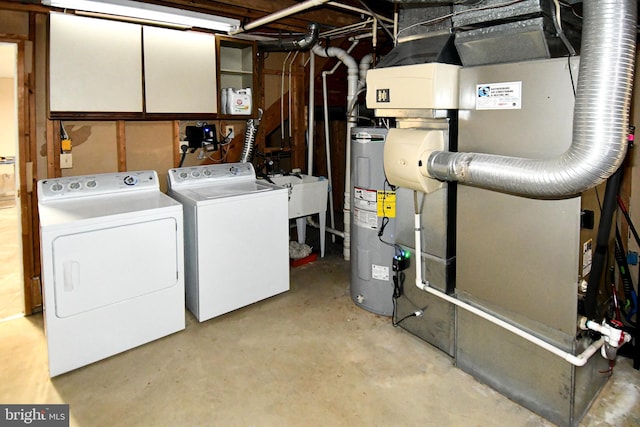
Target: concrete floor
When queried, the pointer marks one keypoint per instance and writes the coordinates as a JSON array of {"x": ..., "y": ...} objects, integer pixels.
[{"x": 308, "y": 357}]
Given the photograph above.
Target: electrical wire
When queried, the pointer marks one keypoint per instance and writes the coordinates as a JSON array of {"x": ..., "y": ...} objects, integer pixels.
[
  {"x": 385, "y": 219},
  {"x": 557, "y": 23}
]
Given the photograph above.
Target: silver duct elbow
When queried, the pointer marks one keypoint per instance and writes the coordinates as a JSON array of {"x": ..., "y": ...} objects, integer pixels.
[{"x": 600, "y": 118}]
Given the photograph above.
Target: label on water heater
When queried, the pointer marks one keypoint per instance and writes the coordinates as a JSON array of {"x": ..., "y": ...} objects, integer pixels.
[
  {"x": 365, "y": 219},
  {"x": 380, "y": 272},
  {"x": 499, "y": 96},
  {"x": 365, "y": 208},
  {"x": 387, "y": 203}
]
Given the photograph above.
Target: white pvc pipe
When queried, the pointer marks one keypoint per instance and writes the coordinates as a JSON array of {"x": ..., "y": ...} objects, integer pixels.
[
  {"x": 327, "y": 146},
  {"x": 314, "y": 224},
  {"x": 352, "y": 80},
  {"x": 311, "y": 120},
  {"x": 579, "y": 360},
  {"x": 279, "y": 15},
  {"x": 290, "y": 98}
]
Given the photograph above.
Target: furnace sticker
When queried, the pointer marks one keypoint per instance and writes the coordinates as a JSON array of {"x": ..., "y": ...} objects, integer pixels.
[{"x": 499, "y": 96}]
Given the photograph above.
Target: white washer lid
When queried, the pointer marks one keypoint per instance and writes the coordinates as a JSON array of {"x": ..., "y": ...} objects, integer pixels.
[{"x": 229, "y": 189}]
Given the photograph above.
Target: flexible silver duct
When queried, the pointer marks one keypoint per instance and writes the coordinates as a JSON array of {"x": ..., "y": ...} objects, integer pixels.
[
  {"x": 600, "y": 118},
  {"x": 250, "y": 138}
]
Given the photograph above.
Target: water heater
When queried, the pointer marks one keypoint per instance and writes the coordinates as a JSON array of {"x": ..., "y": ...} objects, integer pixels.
[{"x": 372, "y": 223}]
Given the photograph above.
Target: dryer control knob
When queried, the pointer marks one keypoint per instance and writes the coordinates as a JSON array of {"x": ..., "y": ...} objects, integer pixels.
[
  {"x": 233, "y": 170},
  {"x": 130, "y": 180}
]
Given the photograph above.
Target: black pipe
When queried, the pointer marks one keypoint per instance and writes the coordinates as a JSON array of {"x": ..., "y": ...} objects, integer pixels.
[
  {"x": 602, "y": 245},
  {"x": 305, "y": 43}
]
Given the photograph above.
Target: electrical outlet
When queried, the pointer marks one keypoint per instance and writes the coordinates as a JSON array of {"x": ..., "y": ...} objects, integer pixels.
[
  {"x": 229, "y": 132},
  {"x": 66, "y": 161}
]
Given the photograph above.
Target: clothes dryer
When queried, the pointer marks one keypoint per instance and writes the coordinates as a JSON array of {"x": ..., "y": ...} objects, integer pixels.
[{"x": 112, "y": 265}]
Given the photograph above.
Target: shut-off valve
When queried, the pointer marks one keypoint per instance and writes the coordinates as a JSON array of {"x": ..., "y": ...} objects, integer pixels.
[{"x": 613, "y": 332}]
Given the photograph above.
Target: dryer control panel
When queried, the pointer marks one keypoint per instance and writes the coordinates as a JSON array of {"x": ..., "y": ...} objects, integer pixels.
[
  {"x": 93, "y": 185},
  {"x": 211, "y": 173}
]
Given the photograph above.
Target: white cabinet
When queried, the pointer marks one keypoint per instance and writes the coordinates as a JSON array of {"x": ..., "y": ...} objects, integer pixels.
[
  {"x": 179, "y": 71},
  {"x": 95, "y": 65}
]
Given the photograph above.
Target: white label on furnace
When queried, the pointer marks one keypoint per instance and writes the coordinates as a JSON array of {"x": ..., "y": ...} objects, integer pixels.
[
  {"x": 366, "y": 219},
  {"x": 499, "y": 96},
  {"x": 379, "y": 272}
]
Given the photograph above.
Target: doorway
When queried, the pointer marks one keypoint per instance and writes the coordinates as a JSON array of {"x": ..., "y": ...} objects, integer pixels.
[{"x": 12, "y": 298}]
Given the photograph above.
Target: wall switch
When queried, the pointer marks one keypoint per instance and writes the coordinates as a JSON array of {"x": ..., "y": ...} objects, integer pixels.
[
  {"x": 229, "y": 133},
  {"x": 66, "y": 161}
]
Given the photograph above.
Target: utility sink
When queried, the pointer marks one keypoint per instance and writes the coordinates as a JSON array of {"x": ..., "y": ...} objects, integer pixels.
[{"x": 307, "y": 196}]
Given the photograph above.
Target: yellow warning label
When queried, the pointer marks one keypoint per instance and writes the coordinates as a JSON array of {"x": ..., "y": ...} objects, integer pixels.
[{"x": 386, "y": 204}]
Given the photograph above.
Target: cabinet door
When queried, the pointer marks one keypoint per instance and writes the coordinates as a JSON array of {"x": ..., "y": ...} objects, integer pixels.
[
  {"x": 179, "y": 71},
  {"x": 95, "y": 65}
]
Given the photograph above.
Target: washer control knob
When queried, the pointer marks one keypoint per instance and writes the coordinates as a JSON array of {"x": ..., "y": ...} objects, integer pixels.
[
  {"x": 206, "y": 172},
  {"x": 75, "y": 185},
  {"x": 57, "y": 187},
  {"x": 234, "y": 170},
  {"x": 130, "y": 180},
  {"x": 91, "y": 184},
  {"x": 195, "y": 174},
  {"x": 183, "y": 175}
]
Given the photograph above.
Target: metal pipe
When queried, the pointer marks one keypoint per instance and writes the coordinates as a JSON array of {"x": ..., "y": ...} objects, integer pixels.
[
  {"x": 599, "y": 123},
  {"x": 279, "y": 15},
  {"x": 281, "y": 45}
]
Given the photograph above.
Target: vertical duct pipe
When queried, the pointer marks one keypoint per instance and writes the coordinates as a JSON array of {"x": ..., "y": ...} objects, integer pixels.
[
  {"x": 352, "y": 87},
  {"x": 599, "y": 122}
]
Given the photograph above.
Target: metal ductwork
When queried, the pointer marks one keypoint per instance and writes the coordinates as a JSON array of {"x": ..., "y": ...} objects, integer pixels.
[
  {"x": 280, "y": 45},
  {"x": 600, "y": 119}
]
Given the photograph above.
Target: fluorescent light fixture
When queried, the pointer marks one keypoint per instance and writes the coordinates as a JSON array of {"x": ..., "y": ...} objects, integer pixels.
[{"x": 149, "y": 13}]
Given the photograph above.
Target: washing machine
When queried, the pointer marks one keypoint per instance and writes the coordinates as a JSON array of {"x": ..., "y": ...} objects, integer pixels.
[
  {"x": 236, "y": 237},
  {"x": 112, "y": 254}
]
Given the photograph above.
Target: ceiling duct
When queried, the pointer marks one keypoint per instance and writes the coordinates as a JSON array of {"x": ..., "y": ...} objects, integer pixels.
[
  {"x": 524, "y": 30},
  {"x": 433, "y": 47},
  {"x": 282, "y": 45}
]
